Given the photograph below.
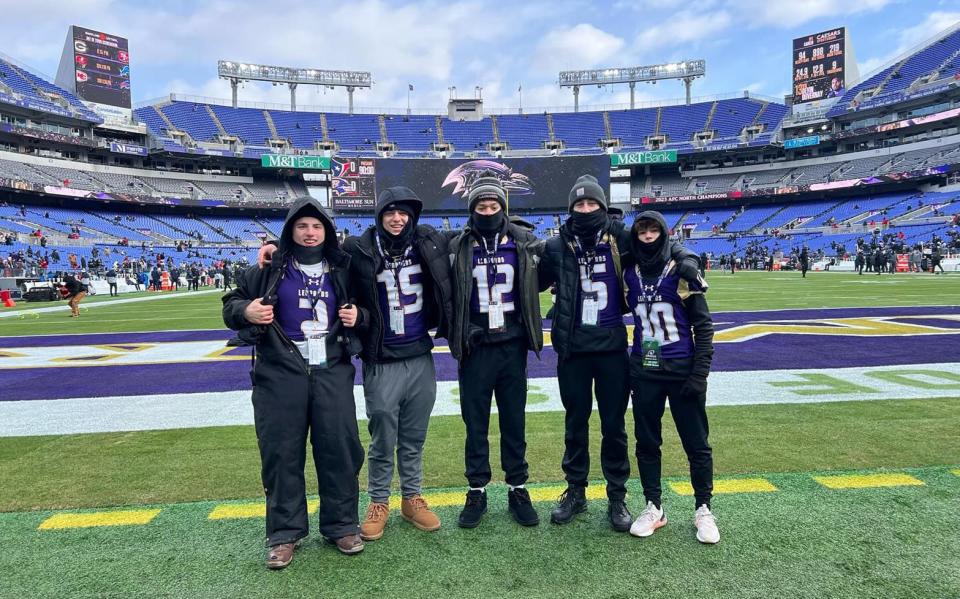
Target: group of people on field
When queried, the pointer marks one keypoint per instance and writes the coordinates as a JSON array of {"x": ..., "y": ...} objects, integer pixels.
[{"x": 312, "y": 303}]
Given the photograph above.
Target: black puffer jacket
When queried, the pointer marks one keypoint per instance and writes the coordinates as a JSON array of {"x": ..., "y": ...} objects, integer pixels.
[
  {"x": 274, "y": 349},
  {"x": 366, "y": 262},
  {"x": 529, "y": 250}
]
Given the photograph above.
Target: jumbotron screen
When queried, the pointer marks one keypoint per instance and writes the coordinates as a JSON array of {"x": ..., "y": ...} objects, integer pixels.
[
  {"x": 531, "y": 183},
  {"x": 818, "y": 66},
  {"x": 102, "y": 67}
]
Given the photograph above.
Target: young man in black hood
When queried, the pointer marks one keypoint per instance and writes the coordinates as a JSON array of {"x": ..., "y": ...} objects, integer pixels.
[
  {"x": 299, "y": 316},
  {"x": 401, "y": 274},
  {"x": 672, "y": 351},
  {"x": 496, "y": 320},
  {"x": 589, "y": 336},
  {"x": 401, "y": 271}
]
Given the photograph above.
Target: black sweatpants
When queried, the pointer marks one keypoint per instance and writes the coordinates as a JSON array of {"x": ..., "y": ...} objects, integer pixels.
[
  {"x": 113, "y": 289},
  {"x": 286, "y": 408},
  {"x": 499, "y": 369},
  {"x": 689, "y": 416},
  {"x": 608, "y": 374}
]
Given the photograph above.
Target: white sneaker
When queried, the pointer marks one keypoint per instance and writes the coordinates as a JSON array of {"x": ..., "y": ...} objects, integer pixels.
[
  {"x": 707, "y": 531},
  {"x": 649, "y": 520}
]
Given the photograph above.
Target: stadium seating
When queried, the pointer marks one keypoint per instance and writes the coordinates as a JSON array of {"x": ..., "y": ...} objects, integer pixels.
[{"x": 937, "y": 61}]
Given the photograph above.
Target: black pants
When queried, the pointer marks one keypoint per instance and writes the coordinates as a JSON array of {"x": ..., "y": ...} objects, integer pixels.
[
  {"x": 113, "y": 289},
  {"x": 579, "y": 375},
  {"x": 689, "y": 415},
  {"x": 499, "y": 369},
  {"x": 286, "y": 407}
]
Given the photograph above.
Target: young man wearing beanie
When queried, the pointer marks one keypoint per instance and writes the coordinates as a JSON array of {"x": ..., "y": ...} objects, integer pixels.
[
  {"x": 589, "y": 336},
  {"x": 400, "y": 271},
  {"x": 298, "y": 315},
  {"x": 496, "y": 320}
]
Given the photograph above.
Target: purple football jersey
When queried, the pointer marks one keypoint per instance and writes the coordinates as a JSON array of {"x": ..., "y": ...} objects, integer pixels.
[
  {"x": 305, "y": 293},
  {"x": 666, "y": 320},
  {"x": 494, "y": 276},
  {"x": 400, "y": 284},
  {"x": 599, "y": 279}
]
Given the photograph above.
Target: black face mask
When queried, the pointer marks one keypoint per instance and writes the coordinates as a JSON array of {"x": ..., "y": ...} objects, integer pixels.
[
  {"x": 650, "y": 257},
  {"x": 308, "y": 255},
  {"x": 489, "y": 224},
  {"x": 586, "y": 225},
  {"x": 395, "y": 245}
]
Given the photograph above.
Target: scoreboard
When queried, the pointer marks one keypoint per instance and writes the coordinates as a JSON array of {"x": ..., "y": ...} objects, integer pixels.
[
  {"x": 101, "y": 67},
  {"x": 352, "y": 183},
  {"x": 819, "y": 66}
]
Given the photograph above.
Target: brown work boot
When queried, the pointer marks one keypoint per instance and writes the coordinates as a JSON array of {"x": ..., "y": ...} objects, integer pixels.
[
  {"x": 280, "y": 556},
  {"x": 375, "y": 522},
  {"x": 348, "y": 545},
  {"x": 416, "y": 511}
]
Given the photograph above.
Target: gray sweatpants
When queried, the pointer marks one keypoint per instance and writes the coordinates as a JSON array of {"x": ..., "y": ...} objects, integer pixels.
[{"x": 399, "y": 399}]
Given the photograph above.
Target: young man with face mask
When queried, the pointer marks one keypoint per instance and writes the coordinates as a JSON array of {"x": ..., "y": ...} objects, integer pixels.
[
  {"x": 496, "y": 320},
  {"x": 299, "y": 316},
  {"x": 672, "y": 352},
  {"x": 401, "y": 271},
  {"x": 589, "y": 336}
]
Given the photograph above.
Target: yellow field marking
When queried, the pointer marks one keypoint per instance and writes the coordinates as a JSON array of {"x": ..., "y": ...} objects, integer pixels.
[
  {"x": 866, "y": 481},
  {"x": 957, "y": 472},
  {"x": 113, "y": 518},
  {"x": 258, "y": 509},
  {"x": 731, "y": 485}
]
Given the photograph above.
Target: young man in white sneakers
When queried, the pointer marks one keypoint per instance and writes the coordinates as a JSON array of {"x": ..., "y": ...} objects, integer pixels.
[{"x": 672, "y": 352}]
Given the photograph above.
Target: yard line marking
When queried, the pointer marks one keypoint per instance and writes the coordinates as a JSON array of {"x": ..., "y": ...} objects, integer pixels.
[
  {"x": 90, "y": 519},
  {"x": 731, "y": 485},
  {"x": 867, "y": 481}
]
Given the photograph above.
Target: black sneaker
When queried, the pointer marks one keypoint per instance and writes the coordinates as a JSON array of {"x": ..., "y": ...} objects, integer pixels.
[
  {"x": 619, "y": 515},
  {"x": 521, "y": 509},
  {"x": 573, "y": 501},
  {"x": 474, "y": 509}
]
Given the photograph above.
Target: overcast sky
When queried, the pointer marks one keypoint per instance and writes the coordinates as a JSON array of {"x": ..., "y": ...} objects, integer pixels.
[{"x": 499, "y": 46}]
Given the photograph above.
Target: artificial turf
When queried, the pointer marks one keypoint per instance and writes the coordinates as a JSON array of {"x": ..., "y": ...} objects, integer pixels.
[
  {"x": 743, "y": 291},
  {"x": 803, "y": 540}
]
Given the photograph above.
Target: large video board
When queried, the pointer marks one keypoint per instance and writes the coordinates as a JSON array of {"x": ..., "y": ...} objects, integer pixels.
[
  {"x": 531, "y": 183},
  {"x": 101, "y": 67},
  {"x": 819, "y": 64}
]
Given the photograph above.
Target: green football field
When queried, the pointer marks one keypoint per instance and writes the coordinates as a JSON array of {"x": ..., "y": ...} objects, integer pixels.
[{"x": 835, "y": 499}]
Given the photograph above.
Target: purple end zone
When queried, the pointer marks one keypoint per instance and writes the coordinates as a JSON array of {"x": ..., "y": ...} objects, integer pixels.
[{"x": 770, "y": 352}]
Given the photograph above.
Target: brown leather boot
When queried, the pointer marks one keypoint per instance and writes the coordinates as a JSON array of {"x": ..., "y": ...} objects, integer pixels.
[
  {"x": 375, "y": 522},
  {"x": 416, "y": 511},
  {"x": 280, "y": 556}
]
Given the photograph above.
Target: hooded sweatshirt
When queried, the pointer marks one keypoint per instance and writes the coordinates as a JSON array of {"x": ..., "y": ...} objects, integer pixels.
[{"x": 669, "y": 308}]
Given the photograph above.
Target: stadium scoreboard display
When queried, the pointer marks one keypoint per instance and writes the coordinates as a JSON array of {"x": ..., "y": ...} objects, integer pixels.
[
  {"x": 102, "y": 67},
  {"x": 352, "y": 183},
  {"x": 819, "y": 69}
]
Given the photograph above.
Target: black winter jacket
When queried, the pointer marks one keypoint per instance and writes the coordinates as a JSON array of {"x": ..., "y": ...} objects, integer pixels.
[
  {"x": 366, "y": 262},
  {"x": 274, "y": 350},
  {"x": 529, "y": 250}
]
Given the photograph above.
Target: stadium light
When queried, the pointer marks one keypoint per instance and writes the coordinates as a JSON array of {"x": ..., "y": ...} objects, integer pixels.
[
  {"x": 238, "y": 72},
  {"x": 684, "y": 70}
]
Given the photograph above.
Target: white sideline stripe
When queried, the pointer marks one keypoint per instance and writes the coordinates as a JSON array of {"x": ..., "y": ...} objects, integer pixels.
[
  {"x": 129, "y": 300},
  {"x": 230, "y": 408}
]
